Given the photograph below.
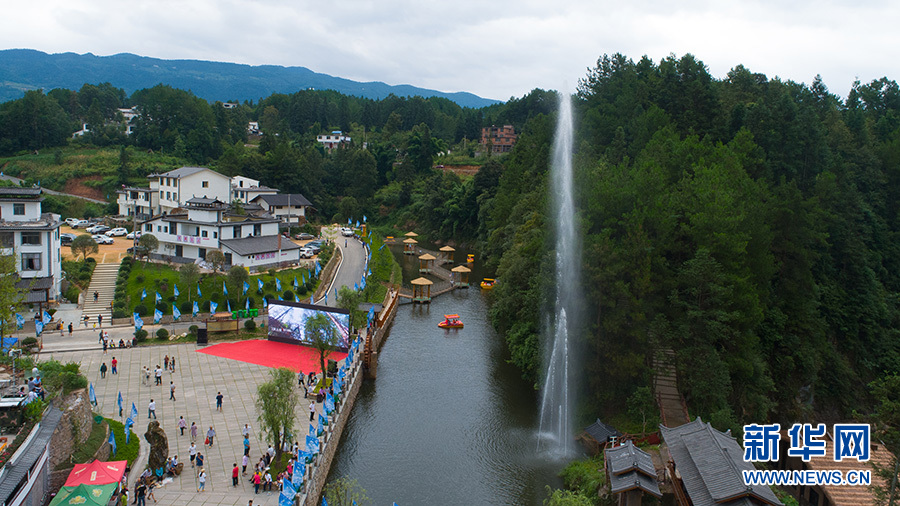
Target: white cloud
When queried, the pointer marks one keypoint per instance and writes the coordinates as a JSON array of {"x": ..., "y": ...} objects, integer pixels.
[{"x": 493, "y": 49}]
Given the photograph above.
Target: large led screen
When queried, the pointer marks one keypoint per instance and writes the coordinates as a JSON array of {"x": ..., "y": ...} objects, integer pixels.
[{"x": 287, "y": 322}]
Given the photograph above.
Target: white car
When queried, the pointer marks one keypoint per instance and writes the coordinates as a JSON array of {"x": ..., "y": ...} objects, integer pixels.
[
  {"x": 306, "y": 253},
  {"x": 81, "y": 224},
  {"x": 132, "y": 235},
  {"x": 102, "y": 239},
  {"x": 117, "y": 232},
  {"x": 346, "y": 232},
  {"x": 72, "y": 221},
  {"x": 97, "y": 229}
]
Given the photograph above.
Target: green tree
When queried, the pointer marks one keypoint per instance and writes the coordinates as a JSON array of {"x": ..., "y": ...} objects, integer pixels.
[
  {"x": 10, "y": 296},
  {"x": 275, "y": 402},
  {"x": 345, "y": 491},
  {"x": 237, "y": 275},
  {"x": 322, "y": 335},
  {"x": 561, "y": 497},
  {"x": 84, "y": 245},
  {"x": 190, "y": 275},
  {"x": 147, "y": 244},
  {"x": 216, "y": 259}
]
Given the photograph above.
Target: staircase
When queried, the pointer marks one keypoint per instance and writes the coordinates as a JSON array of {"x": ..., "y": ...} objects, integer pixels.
[
  {"x": 672, "y": 407},
  {"x": 104, "y": 283}
]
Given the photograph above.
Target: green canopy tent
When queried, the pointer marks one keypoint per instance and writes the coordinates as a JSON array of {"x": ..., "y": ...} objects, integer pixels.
[{"x": 85, "y": 495}]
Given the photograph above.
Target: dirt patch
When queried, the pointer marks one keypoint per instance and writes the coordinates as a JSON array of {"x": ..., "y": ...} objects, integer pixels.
[
  {"x": 77, "y": 187},
  {"x": 461, "y": 170}
]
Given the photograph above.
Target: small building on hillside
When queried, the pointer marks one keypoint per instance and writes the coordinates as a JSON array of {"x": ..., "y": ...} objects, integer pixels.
[
  {"x": 500, "y": 139},
  {"x": 137, "y": 203},
  {"x": 705, "y": 468},
  {"x": 33, "y": 237},
  {"x": 290, "y": 208},
  {"x": 597, "y": 435},
  {"x": 178, "y": 186},
  {"x": 246, "y": 189},
  {"x": 333, "y": 140},
  {"x": 630, "y": 474}
]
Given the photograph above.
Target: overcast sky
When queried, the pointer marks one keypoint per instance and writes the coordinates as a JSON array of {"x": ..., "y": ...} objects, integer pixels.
[{"x": 495, "y": 49}]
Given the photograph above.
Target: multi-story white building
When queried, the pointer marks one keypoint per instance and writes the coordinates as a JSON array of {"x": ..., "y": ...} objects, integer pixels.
[
  {"x": 246, "y": 189},
  {"x": 178, "y": 186},
  {"x": 33, "y": 237},
  {"x": 206, "y": 224},
  {"x": 333, "y": 140},
  {"x": 138, "y": 203},
  {"x": 290, "y": 208}
]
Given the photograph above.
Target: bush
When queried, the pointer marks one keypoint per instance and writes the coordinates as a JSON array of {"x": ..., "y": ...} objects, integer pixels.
[
  {"x": 162, "y": 334},
  {"x": 250, "y": 325},
  {"x": 141, "y": 310},
  {"x": 72, "y": 293},
  {"x": 139, "y": 278},
  {"x": 193, "y": 330},
  {"x": 140, "y": 335},
  {"x": 72, "y": 381},
  {"x": 186, "y": 308},
  {"x": 90, "y": 260},
  {"x": 205, "y": 307},
  {"x": 119, "y": 312},
  {"x": 162, "y": 306},
  {"x": 288, "y": 295},
  {"x": 119, "y": 304},
  {"x": 28, "y": 342}
]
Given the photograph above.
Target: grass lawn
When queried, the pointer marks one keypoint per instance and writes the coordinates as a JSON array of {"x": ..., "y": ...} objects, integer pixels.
[
  {"x": 162, "y": 279},
  {"x": 124, "y": 451}
]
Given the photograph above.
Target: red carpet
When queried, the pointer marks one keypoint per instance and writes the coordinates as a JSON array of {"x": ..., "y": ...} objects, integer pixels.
[{"x": 272, "y": 354}]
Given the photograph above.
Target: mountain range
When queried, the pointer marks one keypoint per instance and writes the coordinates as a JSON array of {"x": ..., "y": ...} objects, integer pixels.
[{"x": 27, "y": 69}]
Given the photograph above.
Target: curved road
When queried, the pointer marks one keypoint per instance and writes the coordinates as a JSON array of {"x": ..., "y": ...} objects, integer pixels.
[{"x": 352, "y": 266}]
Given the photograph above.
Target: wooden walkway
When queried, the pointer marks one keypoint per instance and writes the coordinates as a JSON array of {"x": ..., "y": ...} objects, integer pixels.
[
  {"x": 441, "y": 287},
  {"x": 672, "y": 408}
]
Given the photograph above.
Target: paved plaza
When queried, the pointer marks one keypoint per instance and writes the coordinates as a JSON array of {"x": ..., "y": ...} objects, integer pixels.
[{"x": 198, "y": 377}]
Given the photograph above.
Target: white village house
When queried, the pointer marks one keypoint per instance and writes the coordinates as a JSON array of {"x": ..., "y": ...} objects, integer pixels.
[
  {"x": 178, "y": 186},
  {"x": 246, "y": 189},
  {"x": 138, "y": 203},
  {"x": 204, "y": 224},
  {"x": 290, "y": 208},
  {"x": 33, "y": 237}
]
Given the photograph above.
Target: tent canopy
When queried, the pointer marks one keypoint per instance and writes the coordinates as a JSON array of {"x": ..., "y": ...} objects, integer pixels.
[
  {"x": 96, "y": 473},
  {"x": 85, "y": 495}
]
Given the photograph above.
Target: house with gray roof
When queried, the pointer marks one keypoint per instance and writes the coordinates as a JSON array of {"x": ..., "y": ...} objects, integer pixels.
[
  {"x": 706, "y": 465},
  {"x": 176, "y": 187},
  {"x": 630, "y": 473},
  {"x": 289, "y": 207},
  {"x": 33, "y": 237}
]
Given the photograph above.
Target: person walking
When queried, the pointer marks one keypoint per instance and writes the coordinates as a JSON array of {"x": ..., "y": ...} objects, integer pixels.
[
  {"x": 201, "y": 478},
  {"x": 147, "y": 376},
  {"x": 210, "y": 435},
  {"x": 172, "y": 390},
  {"x": 105, "y": 344},
  {"x": 166, "y": 363},
  {"x": 244, "y": 461},
  {"x": 234, "y": 475},
  {"x": 115, "y": 364},
  {"x": 140, "y": 494},
  {"x": 172, "y": 363},
  {"x": 219, "y": 398},
  {"x": 194, "y": 430},
  {"x": 192, "y": 453},
  {"x": 70, "y": 329},
  {"x": 199, "y": 458},
  {"x": 257, "y": 479},
  {"x": 246, "y": 445},
  {"x": 103, "y": 370},
  {"x": 312, "y": 411},
  {"x": 158, "y": 374},
  {"x": 151, "y": 409},
  {"x": 100, "y": 319},
  {"x": 181, "y": 424}
]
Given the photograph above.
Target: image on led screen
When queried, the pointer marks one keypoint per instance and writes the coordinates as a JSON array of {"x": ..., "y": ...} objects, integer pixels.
[{"x": 288, "y": 319}]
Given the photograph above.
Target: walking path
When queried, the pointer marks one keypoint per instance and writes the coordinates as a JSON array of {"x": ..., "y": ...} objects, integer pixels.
[
  {"x": 104, "y": 283},
  {"x": 672, "y": 408}
]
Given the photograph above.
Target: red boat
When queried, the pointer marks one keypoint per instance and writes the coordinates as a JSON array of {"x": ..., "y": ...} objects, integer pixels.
[{"x": 451, "y": 321}]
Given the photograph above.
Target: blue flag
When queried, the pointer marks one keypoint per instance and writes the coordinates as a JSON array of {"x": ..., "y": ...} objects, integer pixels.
[
  {"x": 286, "y": 497},
  {"x": 38, "y": 327},
  {"x": 337, "y": 387},
  {"x": 133, "y": 411},
  {"x": 326, "y": 298},
  {"x": 196, "y": 308},
  {"x": 176, "y": 314},
  {"x": 357, "y": 224},
  {"x": 265, "y": 303},
  {"x": 364, "y": 218},
  {"x": 112, "y": 441},
  {"x": 246, "y": 287},
  {"x": 312, "y": 430},
  {"x": 277, "y": 284},
  {"x": 158, "y": 297},
  {"x": 296, "y": 299},
  {"x": 120, "y": 402},
  {"x": 20, "y": 321},
  {"x": 143, "y": 294},
  {"x": 322, "y": 423},
  {"x": 324, "y": 502},
  {"x": 157, "y": 315},
  {"x": 260, "y": 284},
  {"x": 228, "y": 305},
  {"x": 198, "y": 291},
  {"x": 311, "y": 300},
  {"x": 349, "y": 221},
  {"x": 329, "y": 403},
  {"x": 299, "y": 471},
  {"x": 382, "y": 246},
  {"x": 224, "y": 289},
  {"x": 247, "y": 303},
  {"x": 212, "y": 307},
  {"x": 91, "y": 395},
  {"x": 295, "y": 283},
  {"x": 47, "y": 317},
  {"x": 128, "y": 423},
  {"x": 176, "y": 290},
  {"x": 312, "y": 444}
]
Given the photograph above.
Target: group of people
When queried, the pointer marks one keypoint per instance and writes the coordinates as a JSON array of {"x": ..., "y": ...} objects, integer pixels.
[
  {"x": 34, "y": 390},
  {"x": 115, "y": 367}
]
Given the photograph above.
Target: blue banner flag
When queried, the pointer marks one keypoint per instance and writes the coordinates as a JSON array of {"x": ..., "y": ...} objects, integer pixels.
[
  {"x": 297, "y": 478},
  {"x": 158, "y": 297},
  {"x": 364, "y": 218},
  {"x": 260, "y": 284},
  {"x": 295, "y": 283},
  {"x": 326, "y": 298},
  {"x": 246, "y": 287},
  {"x": 320, "y": 429},
  {"x": 228, "y": 305},
  {"x": 47, "y": 317},
  {"x": 198, "y": 291},
  {"x": 349, "y": 221},
  {"x": 91, "y": 395},
  {"x": 337, "y": 387},
  {"x": 224, "y": 289},
  {"x": 157, "y": 315},
  {"x": 277, "y": 284},
  {"x": 357, "y": 224},
  {"x": 247, "y": 303},
  {"x": 128, "y": 423},
  {"x": 329, "y": 403},
  {"x": 143, "y": 294},
  {"x": 212, "y": 307},
  {"x": 38, "y": 327},
  {"x": 296, "y": 299},
  {"x": 286, "y": 497},
  {"x": 120, "y": 403},
  {"x": 196, "y": 308},
  {"x": 133, "y": 411},
  {"x": 312, "y": 444},
  {"x": 20, "y": 321},
  {"x": 112, "y": 441},
  {"x": 265, "y": 303},
  {"x": 312, "y": 430},
  {"x": 176, "y": 314},
  {"x": 324, "y": 502},
  {"x": 382, "y": 246},
  {"x": 311, "y": 301},
  {"x": 176, "y": 290}
]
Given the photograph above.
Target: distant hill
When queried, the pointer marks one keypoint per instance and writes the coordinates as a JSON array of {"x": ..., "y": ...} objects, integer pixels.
[{"x": 26, "y": 69}]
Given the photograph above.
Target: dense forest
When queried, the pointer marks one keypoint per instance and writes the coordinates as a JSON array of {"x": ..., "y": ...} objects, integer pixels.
[{"x": 748, "y": 224}]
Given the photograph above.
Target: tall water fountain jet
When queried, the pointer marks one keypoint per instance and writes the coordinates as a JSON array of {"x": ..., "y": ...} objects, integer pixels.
[{"x": 556, "y": 431}]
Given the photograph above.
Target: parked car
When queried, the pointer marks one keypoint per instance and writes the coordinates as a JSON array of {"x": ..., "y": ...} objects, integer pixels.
[
  {"x": 102, "y": 239},
  {"x": 307, "y": 253},
  {"x": 97, "y": 229},
  {"x": 346, "y": 232},
  {"x": 72, "y": 221},
  {"x": 66, "y": 238},
  {"x": 133, "y": 235},
  {"x": 81, "y": 224},
  {"x": 303, "y": 236},
  {"x": 117, "y": 232},
  {"x": 315, "y": 247}
]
